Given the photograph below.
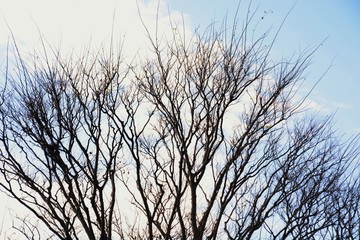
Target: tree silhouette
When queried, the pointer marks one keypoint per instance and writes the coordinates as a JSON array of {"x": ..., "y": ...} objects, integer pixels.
[{"x": 206, "y": 137}]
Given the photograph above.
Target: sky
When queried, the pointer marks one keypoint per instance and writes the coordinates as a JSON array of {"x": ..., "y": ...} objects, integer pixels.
[
  {"x": 332, "y": 25},
  {"x": 308, "y": 24},
  {"x": 72, "y": 23}
]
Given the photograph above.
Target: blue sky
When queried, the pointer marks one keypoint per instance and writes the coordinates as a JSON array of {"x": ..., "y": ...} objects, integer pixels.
[
  {"x": 308, "y": 24},
  {"x": 73, "y": 22}
]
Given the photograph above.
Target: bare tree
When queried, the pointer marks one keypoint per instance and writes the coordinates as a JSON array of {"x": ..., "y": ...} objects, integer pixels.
[
  {"x": 60, "y": 152},
  {"x": 206, "y": 138}
]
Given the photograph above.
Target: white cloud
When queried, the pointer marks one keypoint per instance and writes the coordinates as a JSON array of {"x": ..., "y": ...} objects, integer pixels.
[
  {"x": 72, "y": 23},
  {"x": 322, "y": 105}
]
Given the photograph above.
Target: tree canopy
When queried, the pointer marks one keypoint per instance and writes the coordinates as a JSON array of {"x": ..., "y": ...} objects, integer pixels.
[{"x": 207, "y": 137}]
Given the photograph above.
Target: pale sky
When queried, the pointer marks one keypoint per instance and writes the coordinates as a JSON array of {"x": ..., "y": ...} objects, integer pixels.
[{"x": 71, "y": 23}]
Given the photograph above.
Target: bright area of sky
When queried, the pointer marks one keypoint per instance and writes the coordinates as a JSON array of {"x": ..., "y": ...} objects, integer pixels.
[
  {"x": 74, "y": 22},
  {"x": 71, "y": 23}
]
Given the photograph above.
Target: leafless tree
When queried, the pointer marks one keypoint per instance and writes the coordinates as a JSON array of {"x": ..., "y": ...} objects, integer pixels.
[
  {"x": 207, "y": 138},
  {"x": 60, "y": 151}
]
